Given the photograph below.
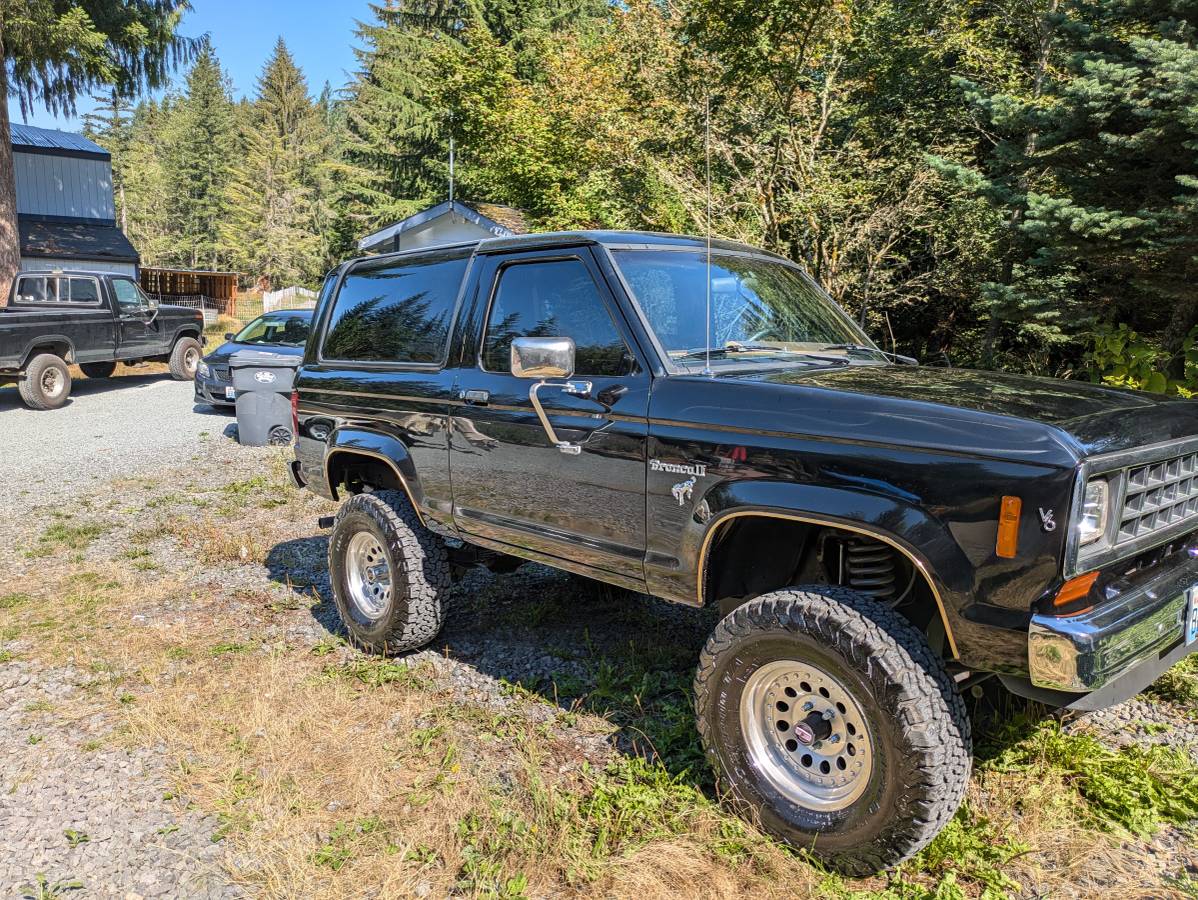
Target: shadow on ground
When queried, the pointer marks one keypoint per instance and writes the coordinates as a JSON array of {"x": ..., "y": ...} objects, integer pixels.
[
  {"x": 85, "y": 387},
  {"x": 583, "y": 645}
]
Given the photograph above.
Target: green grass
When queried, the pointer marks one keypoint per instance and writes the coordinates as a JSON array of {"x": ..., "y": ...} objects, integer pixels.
[
  {"x": 12, "y": 601},
  {"x": 378, "y": 672},
  {"x": 1179, "y": 685},
  {"x": 65, "y": 536}
]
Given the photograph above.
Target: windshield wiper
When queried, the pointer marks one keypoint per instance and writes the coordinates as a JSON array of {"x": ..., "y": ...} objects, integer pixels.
[
  {"x": 861, "y": 348},
  {"x": 737, "y": 347}
]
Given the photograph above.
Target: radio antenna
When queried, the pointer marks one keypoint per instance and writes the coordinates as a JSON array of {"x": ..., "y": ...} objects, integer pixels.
[
  {"x": 451, "y": 166},
  {"x": 707, "y": 154}
]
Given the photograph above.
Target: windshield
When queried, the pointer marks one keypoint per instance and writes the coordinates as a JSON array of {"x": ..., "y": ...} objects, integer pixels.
[
  {"x": 282, "y": 331},
  {"x": 760, "y": 310}
]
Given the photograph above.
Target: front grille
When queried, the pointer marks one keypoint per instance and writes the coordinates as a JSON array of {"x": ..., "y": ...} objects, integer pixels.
[
  {"x": 221, "y": 373},
  {"x": 1158, "y": 496}
]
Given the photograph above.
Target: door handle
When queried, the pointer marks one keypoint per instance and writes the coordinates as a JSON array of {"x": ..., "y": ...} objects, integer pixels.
[
  {"x": 578, "y": 389},
  {"x": 475, "y": 398}
]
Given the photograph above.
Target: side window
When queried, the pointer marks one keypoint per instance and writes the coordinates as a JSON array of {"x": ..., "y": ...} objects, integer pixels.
[
  {"x": 82, "y": 290},
  {"x": 37, "y": 289},
  {"x": 128, "y": 297},
  {"x": 554, "y": 299},
  {"x": 394, "y": 311}
]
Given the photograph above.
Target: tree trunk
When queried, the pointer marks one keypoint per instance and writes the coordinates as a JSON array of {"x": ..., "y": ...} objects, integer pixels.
[{"x": 10, "y": 238}]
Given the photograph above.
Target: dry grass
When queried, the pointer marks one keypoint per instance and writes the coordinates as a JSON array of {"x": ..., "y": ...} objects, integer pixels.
[{"x": 334, "y": 775}]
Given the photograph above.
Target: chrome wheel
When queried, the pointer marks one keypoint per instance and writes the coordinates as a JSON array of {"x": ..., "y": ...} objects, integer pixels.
[
  {"x": 368, "y": 575},
  {"x": 52, "y": 383},
  {"x": 806, "y": 735}
]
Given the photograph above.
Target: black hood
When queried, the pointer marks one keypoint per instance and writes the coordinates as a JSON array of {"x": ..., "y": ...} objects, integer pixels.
[
  {"x": 224, "y": 351},
  {"x": 1096, "y": 418}
]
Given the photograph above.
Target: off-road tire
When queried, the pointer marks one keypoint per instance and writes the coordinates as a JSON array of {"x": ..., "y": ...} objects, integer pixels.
[
  {"x": 920, "y": 729},
  {"x": 185, "y": 358},
  {"x": 98, "y": 369},
  {"x": 32, "y": 388},
  {"x": 416, "y": 556}
]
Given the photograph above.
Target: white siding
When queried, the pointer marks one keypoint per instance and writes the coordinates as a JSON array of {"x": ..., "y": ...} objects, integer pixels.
[
  {"x": 63, "y": 186},
  {"x": 446, "y": 229},
  {"x": 43, "y": 263}
]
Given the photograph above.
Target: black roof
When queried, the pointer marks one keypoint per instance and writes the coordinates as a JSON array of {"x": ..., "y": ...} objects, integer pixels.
[
  {"x": 613, "y": 239},
  {"x": 74, "y": 239}
]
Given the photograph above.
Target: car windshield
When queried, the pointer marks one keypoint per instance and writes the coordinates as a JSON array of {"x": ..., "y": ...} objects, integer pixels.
[
  {"x": 283, "y": 331},
  {"x": 760, "y": 310}
]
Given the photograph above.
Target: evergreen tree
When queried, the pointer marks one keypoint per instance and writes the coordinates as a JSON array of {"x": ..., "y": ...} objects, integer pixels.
[
  {"x": 277, "y": 223},
  {"x": 199, "y": 141},
  {"x": 109, "y": 125}
]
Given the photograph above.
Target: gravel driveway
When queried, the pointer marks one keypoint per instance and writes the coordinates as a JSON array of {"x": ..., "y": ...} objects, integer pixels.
[{"x": 111, "y": 428}]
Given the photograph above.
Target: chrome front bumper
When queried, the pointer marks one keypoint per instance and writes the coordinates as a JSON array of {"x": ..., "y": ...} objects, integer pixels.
[{"x": 1142, "y": 623}]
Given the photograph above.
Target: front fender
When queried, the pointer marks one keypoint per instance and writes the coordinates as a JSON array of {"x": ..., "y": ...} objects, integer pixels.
[
  {"x": 926, "y": 542},
  {"x": 377, "y": 445}
]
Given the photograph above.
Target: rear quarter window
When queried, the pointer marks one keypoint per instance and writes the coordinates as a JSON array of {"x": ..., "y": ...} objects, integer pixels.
[{"x": 395, "y": 311}]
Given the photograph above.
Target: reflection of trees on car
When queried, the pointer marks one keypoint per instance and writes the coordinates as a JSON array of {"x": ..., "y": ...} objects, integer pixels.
[{"x": 398, "y": 330}]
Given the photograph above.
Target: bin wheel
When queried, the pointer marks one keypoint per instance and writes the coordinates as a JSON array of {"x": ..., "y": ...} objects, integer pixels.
[{"x": 280, "y": 436}]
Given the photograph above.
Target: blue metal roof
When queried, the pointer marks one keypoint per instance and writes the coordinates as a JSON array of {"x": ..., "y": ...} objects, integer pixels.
[{"x": 49, "y": 139}]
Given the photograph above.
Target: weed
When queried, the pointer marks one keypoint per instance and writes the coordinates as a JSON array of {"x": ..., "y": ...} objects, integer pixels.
[
  {"x": 45, "y": 889},
  {"x": 1138, "y": 787},
  {"x": 1179, "y": 685},
  {"x": 35, "y": 739},
  {"x": 327, "y": 646},
  {"x": 12, "y": 601},
  {"x": 169, "y": 829},
  {"x": 344, "y": 841},
  {"x": 75, "y": 838},
  {"x": 39, "y": 706},
  {"x": 126, "y": 699},
  {"x": 7, "y": 656},
  {"x": 223, "y": 648},
  {"x": 71, "y": 537},
  {"x": 379, "y": 672},
  {"x": 91, "y": 746}
]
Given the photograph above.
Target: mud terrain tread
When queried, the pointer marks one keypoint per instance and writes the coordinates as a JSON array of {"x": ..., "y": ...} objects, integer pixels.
[
  {"x": 178, "y": 364},
  {"x": 425, "y": 567},
  {"x": 912, "y": 683},
  {"x": 29, "y": 386}
]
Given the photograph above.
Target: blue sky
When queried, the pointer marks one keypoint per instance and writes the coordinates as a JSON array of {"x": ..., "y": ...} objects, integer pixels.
[{"x": 320, "y": 34}]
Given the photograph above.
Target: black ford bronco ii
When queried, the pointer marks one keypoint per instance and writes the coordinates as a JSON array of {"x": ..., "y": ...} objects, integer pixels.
[{"x": 717, "y": 431}]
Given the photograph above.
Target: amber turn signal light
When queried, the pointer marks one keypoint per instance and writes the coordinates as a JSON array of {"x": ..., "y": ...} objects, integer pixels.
[
  {"x": 1008, "y": 527},
  {"x": 1074, "y": 589}
]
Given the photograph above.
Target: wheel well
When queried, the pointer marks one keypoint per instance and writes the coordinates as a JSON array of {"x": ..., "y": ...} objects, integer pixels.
[
  {"x": 59, "y": 348},
  {"x": 753, "y": 555},
  {"x": 356, "y": 473}
]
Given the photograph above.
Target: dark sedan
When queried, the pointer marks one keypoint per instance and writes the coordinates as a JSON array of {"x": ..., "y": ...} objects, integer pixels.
[{"x": 283, "y": 331}]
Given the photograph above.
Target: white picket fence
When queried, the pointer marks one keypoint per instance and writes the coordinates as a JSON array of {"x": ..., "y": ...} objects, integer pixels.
[{"x": 288, "y": 298}]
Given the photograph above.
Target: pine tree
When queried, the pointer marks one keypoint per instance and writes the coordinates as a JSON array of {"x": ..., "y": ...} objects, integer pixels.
[
  {"x": 278, "y": 218},
  {"x": 198, "y": 146},
  {"x": 109, "y": 125},
  {"x": 148, "y": 224}
]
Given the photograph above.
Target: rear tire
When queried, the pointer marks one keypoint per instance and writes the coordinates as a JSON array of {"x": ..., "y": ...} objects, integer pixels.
[
  {"x": 185, "y": 359},
  {"x": 46, "y": 383},
  {"x": 98, "y": 370},
  {"x": 390, "y": 574},
  {"x": 828, "y": 719}
]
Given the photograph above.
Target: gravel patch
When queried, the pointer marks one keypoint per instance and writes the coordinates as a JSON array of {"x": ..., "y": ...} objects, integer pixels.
[
  {"x": 75, "y": 810},
  {"x": 120, "y": 427}
]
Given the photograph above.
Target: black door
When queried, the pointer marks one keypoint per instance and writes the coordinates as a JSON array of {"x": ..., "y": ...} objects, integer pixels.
[
  {"x": 510, "y": 483},
  {"x": 140, "y": 333}
]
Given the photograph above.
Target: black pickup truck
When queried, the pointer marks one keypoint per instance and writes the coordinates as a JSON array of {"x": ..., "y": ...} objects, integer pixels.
[
  {"x": 878, "y": 536},
  {"x": 95, "y": 319}
]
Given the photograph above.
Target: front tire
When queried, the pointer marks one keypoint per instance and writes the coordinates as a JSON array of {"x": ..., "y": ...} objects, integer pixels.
[
  {"x": 390, "y": 575},
  {"x": 46, "y": 383},
  {"x": 98, "y": 370},
  {"x": 828, "y": 718},
  {"x": 185, "y": 359}
]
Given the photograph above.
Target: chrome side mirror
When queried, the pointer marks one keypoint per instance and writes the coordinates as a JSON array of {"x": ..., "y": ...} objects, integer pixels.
[{"x": 543, "y": 357}]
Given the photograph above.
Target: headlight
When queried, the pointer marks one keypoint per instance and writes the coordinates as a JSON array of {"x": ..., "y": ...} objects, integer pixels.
[
  {"x": 204, "y": 370},
  {"x": 1092, "y": 525}
]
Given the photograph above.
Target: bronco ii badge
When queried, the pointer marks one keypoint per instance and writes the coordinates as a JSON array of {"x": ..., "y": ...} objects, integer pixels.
[
  {"x": 683, "y": 491},
  {"x": 696, "y": 470}
]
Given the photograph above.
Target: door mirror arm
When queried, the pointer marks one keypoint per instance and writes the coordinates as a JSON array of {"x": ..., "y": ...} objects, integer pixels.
[{"x": 576, "y": 388}]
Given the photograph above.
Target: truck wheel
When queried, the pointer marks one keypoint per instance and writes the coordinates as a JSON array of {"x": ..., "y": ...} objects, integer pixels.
[
  {"x": 185, "y": 359},
  {"x": 390, "y": 574},
  {"x": 98, "y": 370},
  {"x": 828, "y": 718},
  {"x": 46, "y": 383}
]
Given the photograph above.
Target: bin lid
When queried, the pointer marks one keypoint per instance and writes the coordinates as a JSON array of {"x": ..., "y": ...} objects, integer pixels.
[{"x": 265, "y": 359}]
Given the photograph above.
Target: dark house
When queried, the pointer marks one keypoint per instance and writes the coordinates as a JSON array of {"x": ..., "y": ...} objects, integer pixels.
[{"x": 65, "y": 210}]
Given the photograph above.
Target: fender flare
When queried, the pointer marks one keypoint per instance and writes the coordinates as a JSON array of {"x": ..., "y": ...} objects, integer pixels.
[
  {"x": 31, "y": 347},
  {"x": 353, "y": 441},
  {"x": 185, "y": 331},
  {"x": 928, "y": 545}
]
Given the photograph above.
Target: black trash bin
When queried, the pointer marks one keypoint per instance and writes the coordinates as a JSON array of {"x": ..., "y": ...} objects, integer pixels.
[{"x": 263, "y": 382}]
